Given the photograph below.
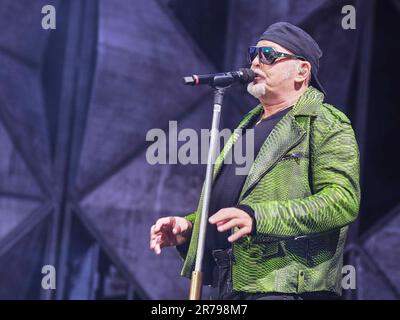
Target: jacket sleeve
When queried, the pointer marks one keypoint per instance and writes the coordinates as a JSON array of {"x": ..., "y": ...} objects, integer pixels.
[
  {"x": 183, "y": 248},
  {"x": 335, "y": 188},
  {"x": 191, "y": 217}
]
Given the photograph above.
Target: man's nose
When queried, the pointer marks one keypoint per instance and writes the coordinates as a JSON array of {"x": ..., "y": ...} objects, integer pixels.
[{"x": 256, "y": 62}]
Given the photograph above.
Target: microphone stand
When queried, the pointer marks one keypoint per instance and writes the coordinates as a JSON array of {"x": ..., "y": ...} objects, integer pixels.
[{"x": 197, "y": 275}]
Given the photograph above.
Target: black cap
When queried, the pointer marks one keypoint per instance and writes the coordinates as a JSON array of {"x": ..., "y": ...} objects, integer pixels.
[{"x": 299, "y": 42}]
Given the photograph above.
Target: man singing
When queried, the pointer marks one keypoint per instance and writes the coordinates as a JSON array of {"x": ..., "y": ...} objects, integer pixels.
[{"x": 279, "y": 231}]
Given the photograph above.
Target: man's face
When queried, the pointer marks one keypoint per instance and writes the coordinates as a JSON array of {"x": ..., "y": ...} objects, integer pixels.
[{"x": 274, "y": 78}]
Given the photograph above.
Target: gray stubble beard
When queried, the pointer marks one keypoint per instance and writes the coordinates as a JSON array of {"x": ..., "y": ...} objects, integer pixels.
[{"x": 257, "y": 90}]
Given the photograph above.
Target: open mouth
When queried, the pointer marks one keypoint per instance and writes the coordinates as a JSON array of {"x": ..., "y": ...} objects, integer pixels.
[
  {"x": 258, "y": 76},
  {"x": 258, "y": 79}
]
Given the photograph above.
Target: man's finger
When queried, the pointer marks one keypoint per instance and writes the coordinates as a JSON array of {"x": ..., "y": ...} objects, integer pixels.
[
  {"x": 177, "y": 229},
  {"x": 220, "y": 223},
  {"x": 157, "y": 249},
  {"x": 222, "y": 214},
  {"x": 172, "y": 222},
  {"x": 162, "y": 222},
  {"x": 155, "y": 235},
  {"x": 153, "y": 244},
  {"x": 153, "y": 241},
  {"x": 158, "y": 245},
  {"x": 239, "y": 234},
  {"x": 152, "y": 232},
  {"x": 230, "y": 224}
]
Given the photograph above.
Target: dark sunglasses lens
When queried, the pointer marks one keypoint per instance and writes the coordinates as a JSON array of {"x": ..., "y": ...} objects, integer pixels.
[
  {"x": 252, "y": 54},
  {"x": 267, "y": 55}
]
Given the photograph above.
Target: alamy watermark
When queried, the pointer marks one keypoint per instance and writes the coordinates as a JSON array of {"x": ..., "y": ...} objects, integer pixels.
[
  {"x": 195, "y": 148},
  {"x": 349, "y": 277},
  {"x": 49, "y": 278},
  {"x": 49, "y": 20},
  {"x": 349, "y": 20}
]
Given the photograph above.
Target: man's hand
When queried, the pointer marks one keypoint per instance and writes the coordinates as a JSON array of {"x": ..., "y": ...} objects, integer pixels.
[
  {"x": 228, "y": 218},
  {"x": 169, "y": 231}
]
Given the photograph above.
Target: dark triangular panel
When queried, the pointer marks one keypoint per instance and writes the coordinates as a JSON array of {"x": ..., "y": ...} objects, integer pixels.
[
  {"x": 22, "y": 113},
  {"x": 21, "y": 267},
  {"x": 22, "y": 106},
  {"x": 383, "y": 247},
  {"x": 372, "y": 283},
  {"x": 22, "y": 35},
  {"x": 89, "y": 273},
  {"x": 15, "y": 175},
  {"x": 128, "y": 99},
  {"x": 13, "y": 212}
]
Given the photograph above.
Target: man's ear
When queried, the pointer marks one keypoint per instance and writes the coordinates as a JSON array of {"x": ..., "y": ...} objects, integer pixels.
[{"x": 303, "y": 71}]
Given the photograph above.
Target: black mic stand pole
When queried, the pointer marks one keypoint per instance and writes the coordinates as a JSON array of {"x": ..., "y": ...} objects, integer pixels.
[{"x": 197, "y": 274}]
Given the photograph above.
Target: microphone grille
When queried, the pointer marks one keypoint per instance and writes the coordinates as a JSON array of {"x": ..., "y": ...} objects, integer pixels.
[{"x": 248, "y": 75}]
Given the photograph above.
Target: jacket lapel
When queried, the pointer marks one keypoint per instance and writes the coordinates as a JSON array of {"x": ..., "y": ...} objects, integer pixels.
[
  {"x": 234, "y": 137},
  {"x": 286, "y": 134}
]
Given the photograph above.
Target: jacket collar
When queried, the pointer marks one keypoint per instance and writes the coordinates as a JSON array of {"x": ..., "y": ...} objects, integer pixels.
[
  {"x": 285, "y": 135},
  {"x": 308, "y": 103}
]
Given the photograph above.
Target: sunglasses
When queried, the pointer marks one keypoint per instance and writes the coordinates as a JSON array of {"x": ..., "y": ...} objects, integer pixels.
[{"x": 268, "y": 55}]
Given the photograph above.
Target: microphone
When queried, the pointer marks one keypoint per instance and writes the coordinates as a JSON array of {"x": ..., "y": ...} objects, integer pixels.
[{"x": 244, "y": 76}]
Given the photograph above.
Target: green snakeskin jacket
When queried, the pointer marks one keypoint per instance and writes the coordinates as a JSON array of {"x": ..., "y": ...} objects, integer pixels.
[{"x": 304, "y": 189}]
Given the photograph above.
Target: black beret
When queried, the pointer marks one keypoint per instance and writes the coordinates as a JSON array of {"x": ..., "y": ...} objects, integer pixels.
[{"x": 299, "y": 42}]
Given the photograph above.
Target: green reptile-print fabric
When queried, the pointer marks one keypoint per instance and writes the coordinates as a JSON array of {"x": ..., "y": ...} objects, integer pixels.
[{"x": 304, "y": 189}]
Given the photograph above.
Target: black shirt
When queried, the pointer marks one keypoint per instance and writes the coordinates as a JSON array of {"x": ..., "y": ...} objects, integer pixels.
[{"x": 228, "y": 185}]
